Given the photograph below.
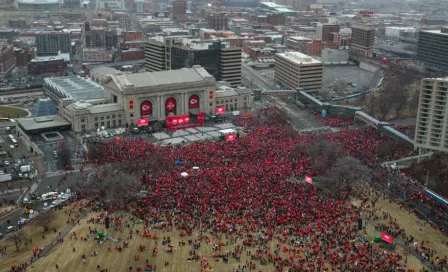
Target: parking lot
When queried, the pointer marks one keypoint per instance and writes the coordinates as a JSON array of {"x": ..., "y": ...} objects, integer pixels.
[{"x": 354, "y": 76}]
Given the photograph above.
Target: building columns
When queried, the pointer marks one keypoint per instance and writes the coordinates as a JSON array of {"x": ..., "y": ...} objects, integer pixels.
[{"x": 161, "y": 108}]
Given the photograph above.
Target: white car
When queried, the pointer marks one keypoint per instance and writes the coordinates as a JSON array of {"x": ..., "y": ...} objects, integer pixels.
[{"x": 6, "y": 162}]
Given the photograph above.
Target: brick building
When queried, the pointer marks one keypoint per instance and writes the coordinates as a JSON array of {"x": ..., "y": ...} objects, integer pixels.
[
  {"x": 133, "y": 36},
  {"x": 362, "y": 39},
  {"x": 23, "y": 56},
  {"x": 133, "y": 54},
  {"x": 315, "y": 47},
  {"x": 218, "y": 21},
  {"x": 179, "y": 8},
  {"x": 323, "y": 31},
  {"x": 7, "y": 60},
  {"x": 276, "y": 19},
  {"x": 256, "y": 52}
]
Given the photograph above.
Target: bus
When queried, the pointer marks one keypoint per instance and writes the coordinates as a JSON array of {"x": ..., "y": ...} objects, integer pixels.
[{"x": 13, "y": 140}]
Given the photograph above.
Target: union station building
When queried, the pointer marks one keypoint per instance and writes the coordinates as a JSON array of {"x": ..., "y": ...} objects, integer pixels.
[{"x": 112, "y": 98}]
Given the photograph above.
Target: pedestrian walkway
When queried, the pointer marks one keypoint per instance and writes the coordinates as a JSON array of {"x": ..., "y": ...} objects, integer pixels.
[{"x": 61, "y": 172}]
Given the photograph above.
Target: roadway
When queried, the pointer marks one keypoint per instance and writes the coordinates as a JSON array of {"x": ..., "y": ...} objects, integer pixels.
[{"x": 299, "y": 119}]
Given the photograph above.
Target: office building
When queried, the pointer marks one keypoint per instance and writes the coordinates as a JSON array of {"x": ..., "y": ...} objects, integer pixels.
[
  {"x": 38, "y": 5},
  {"x": 99, "y": 37},
  {"x": 114, "y": 5},
  {"x": 431, "y": 131},
  {"x": 294, "y": 70},
  {"x": 155, "y": 56},
  {"x": 218, "y": 21},
  {"x": 7, "y": 60},
  {"x": 216, "y": 56},
  {"x": 52, "y": 42},
  {"x": 230, "y": 65},
  {"x": 397, "y": 32},
  {"x": 432, "y": 49},
  {"x": 362, "y": 39}
]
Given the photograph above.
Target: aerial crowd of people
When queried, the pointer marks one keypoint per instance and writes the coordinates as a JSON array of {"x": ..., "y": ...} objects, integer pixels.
[
  {"x": 243, "y": 188},
  {"x": 244, "y": 195}
]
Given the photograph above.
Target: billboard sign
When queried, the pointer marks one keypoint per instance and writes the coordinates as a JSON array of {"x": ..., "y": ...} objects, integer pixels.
[
  {"x": 387, "y": 238},
  {"x": 230, "y": 137},
  {"x": 142, "y": 122},
  {"x": 220, "y": 110}
]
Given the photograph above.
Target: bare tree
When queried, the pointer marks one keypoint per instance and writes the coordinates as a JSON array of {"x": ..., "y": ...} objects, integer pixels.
[
  {"x": 44, "y": 220},
  {"x": 371, "y": 104},
  {"x": 65, "y": 155},
  {"x": 323, "y": 153},
  {"x": 110, "y": 187},
  {"x": 17, "y": 239},
  {"x": 346, "y": 173},
  {"x": 383, "y": 104}
]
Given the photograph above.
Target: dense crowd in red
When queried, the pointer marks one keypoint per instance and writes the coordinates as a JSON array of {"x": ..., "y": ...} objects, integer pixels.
[
  {"x": 243, "y": 188},
  {"x": 333, "y": 121}
]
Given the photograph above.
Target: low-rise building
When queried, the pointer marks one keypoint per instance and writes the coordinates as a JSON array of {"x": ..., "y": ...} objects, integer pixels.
[
  {"x": 397, "y": 32},
  {"x": 233, "y": 99},
  {"x": 297, "y": 43},
  {"x": 256, "y": 52},
  {"x": 97, "y": 55},
  {"x": 50, "y": 65},
  {"x": 126, "y": 97}
]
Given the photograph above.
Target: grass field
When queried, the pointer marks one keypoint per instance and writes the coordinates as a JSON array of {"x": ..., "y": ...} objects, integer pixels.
[
  {"x": 35, "y": 233},
  {"x": 12, "y": 112},
  {"x": 67, "y": 260}
]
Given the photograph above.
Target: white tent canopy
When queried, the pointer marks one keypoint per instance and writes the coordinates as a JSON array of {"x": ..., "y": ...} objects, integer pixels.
[{"x": 227, "y": 131}]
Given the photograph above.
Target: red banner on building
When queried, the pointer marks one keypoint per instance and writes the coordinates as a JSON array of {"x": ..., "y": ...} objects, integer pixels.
[
  {"x": 220, "y": 110},
  {"x": 194, "y": 102},
  {"x": 131, "y": 104},
  {"x": 230, "y": 137},
  {"x": 170, "y": 105},
  {"x": 142, "y": 122},
  {"x": 211, "y": 94},
  {"x": 387, "y": 238},
  {"x": 146, "y": 108}
]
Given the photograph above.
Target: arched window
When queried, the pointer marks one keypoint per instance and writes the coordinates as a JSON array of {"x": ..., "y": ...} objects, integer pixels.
[
  {"x": 170, "y": 106},
  {"x": 146, "y": 108}
]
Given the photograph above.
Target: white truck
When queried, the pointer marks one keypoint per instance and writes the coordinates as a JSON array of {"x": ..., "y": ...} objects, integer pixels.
[
  {"x": 5, "y": 177},
  {"x": 49, "y": 196},
  {"x": 25, "y": 168}
]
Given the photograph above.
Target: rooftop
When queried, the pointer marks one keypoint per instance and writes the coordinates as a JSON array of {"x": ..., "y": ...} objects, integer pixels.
[
  {"x": 147, "y": 79},
  {"x": 106, "y": 108},
  {"x": 298, "y": 58},
  {"x": 60, "y": 56},
  {"x": 434, "y": 32},
  {"x": 299, "y": 38},
  {"x": 36, "y": 123},
  {"x": 74, "y": 87}
]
